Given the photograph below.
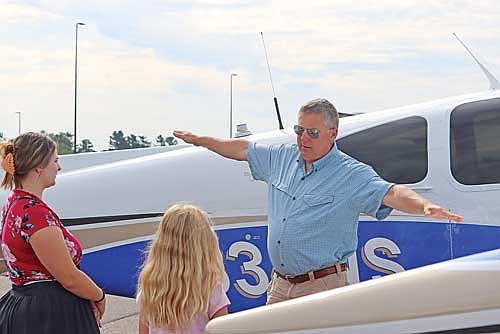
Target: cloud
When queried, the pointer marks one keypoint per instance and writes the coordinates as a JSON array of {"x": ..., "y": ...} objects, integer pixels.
[
  {"x": 14, "y": 13},
  {"x": 148, "y": 67}
]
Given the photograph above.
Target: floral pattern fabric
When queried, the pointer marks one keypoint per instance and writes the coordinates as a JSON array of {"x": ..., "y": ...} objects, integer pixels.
[{"x": 27, "y": 215}]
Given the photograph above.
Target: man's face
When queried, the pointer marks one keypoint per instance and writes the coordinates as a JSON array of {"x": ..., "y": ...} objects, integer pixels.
[{"x": 313, "y": 149}]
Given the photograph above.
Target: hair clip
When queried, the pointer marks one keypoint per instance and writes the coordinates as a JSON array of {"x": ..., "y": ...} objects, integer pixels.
[{"x": 8, "y": 164}]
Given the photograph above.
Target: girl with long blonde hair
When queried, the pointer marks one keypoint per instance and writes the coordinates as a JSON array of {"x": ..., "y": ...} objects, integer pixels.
[{"x": 180, "y": 285}]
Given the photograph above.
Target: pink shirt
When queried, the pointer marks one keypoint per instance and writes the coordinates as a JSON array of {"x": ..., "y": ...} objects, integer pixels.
[{"x": 217, "y": 301}]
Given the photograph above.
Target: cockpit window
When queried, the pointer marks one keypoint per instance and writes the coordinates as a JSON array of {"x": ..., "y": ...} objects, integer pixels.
[
  {"x": 475, "y": 142},
  {"x": 396, "y": 150}
]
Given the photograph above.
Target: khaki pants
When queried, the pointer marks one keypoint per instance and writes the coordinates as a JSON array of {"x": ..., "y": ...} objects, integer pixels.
[{"x": 281, "y": 289}]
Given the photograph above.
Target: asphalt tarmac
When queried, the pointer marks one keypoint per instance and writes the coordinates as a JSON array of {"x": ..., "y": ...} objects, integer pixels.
[{"x": 120, "y": 316}]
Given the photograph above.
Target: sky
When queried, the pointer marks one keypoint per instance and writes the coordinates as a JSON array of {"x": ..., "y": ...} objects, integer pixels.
[{"x": 149, "y": 67}]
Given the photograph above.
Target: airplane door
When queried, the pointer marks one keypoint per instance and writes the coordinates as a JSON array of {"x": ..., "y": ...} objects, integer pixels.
[{"x": 474, "y": 175}]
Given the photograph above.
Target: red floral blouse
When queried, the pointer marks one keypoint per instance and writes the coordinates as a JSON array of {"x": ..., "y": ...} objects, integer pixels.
[{"x": 26, "y": 215}]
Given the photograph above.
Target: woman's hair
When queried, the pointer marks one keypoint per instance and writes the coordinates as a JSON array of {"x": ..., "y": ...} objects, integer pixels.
[
  {"x": 183, "y": 266},
  {"x": 29, "y": 150}
]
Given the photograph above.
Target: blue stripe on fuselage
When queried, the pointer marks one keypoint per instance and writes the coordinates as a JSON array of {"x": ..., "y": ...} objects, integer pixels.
[{"x": 383, "y": 247}]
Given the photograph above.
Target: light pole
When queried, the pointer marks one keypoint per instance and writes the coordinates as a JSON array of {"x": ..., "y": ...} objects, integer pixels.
[
  {"x": 19, "y": 121},
  {"x": 76, "y": 76},
  {"x": 231, "y": 105}
]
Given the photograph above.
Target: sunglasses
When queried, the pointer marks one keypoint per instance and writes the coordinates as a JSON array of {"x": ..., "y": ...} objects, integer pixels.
[{"x": 312, "y": 132}]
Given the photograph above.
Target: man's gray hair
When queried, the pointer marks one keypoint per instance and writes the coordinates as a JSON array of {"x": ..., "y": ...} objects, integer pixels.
[{"x": 324, "y": 107}]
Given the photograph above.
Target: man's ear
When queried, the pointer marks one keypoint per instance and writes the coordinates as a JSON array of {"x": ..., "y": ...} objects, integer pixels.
[{"x": 333, "y": 133}]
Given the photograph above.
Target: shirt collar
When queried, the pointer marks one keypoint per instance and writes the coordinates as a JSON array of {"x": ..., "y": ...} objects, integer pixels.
[
  {"x": 24, "y": 193},
  {"x": 324, "y": 161}
]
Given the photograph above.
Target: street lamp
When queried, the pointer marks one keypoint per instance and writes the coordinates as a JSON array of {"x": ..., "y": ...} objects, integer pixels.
[
  {"x": 76, "y": 76},
  {"x": 231, "y": 106},
  {"x": 19, "y": 121}
]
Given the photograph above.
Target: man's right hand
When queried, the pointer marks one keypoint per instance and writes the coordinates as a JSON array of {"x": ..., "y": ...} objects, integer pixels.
[
  {"x": 187, "y": 136},
  {"x": 230, "y": 148}
]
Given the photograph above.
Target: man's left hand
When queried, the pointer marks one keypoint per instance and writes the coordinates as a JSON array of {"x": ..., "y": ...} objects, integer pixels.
[{"x": 435, "y": 211}]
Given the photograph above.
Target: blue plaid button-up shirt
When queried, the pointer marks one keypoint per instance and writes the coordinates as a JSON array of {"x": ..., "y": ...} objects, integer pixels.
[{"x": 313, "y": 217}]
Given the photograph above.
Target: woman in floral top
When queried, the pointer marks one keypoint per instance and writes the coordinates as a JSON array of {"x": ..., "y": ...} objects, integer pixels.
[{"x": 49, "y": 293}]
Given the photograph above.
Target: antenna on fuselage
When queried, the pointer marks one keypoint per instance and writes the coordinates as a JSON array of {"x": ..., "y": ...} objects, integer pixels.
[
  {"x": 494, "y": 83},
  {"x": 272, "y": 85}
]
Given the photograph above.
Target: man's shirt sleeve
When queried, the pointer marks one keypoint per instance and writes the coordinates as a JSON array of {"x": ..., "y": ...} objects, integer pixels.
[
  {"x": 370, "y": 195},
  {"x": 259, "y": 160}
]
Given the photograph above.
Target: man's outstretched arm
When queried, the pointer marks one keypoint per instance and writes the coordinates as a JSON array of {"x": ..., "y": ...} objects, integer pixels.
[
  {"x": 230, "y": 148},
  {"x": 406, "y": 200}
]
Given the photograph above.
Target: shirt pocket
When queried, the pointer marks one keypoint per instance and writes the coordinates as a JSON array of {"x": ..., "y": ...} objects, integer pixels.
[
  {"x": 316, "y": 209},
  {"x": 281, "y": 202},
  {"x": 317, "y": 200},
  {"x": 281, "y": 187}
]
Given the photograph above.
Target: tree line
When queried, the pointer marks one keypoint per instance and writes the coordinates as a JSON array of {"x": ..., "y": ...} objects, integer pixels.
[{"x": 117, "y": 141}]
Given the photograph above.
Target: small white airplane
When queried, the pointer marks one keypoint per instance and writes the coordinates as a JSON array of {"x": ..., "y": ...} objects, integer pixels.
[{"x": 448, "y": 150}]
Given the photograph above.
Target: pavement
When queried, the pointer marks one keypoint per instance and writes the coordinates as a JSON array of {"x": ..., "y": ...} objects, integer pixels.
[{"x": 120, "y": 317}]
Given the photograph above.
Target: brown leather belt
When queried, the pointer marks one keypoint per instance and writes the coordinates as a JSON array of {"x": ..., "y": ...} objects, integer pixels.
[{"x": 316, "y": 274}]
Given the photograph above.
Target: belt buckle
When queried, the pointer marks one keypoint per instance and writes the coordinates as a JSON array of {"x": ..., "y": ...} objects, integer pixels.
[{"x": 289, "y": 277}]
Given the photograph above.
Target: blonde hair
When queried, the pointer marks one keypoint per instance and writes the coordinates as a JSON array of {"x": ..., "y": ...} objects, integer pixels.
[
  {"x": 183, "y": 266},
  {"x": 30, "y": 150}
]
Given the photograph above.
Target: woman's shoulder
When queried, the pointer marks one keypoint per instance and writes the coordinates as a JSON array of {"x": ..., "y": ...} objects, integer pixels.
[{"x": 31, "y": 209}]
